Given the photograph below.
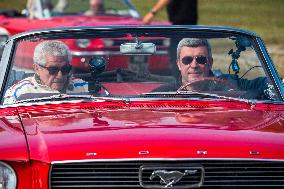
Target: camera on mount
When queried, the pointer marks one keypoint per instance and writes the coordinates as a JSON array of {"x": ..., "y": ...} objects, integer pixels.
[{"x": 97, "y": 66}]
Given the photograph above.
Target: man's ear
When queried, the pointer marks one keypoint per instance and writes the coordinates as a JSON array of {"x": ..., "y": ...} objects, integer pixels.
[
  {"x": 210, "y": 62},
  {"x": 178, "y": 64},
  {"x": 36, "y": 67}
]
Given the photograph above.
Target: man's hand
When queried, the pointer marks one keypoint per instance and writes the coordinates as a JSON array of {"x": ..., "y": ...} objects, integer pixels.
[{"x": 148, "y": 18}]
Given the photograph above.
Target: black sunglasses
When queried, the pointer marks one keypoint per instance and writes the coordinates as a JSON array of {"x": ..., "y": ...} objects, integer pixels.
[
  {"x": 53, "y": 70},
  {"x": 199, "y": 59}
]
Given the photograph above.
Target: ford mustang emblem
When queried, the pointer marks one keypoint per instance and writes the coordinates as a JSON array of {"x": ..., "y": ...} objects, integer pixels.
[
  {"x": 180, "y": 176},
  {"x": 170, "y": 177}
]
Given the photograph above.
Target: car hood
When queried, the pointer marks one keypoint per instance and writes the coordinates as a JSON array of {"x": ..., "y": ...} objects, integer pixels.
[{"x": 108, "y": 131}]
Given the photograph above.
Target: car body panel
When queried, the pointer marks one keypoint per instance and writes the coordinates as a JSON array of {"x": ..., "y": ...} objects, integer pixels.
[
  {"x": 13, "y": 144},
  {"x": 60, "y": 133}
]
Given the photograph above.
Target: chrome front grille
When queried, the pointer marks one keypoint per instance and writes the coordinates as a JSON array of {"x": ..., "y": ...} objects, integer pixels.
[{"x": 125, "y": 174}]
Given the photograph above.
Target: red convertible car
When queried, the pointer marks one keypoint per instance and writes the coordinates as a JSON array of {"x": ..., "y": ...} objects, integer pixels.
[
  {"x": 64, "y": 13},
  {"x": 214, "y": 121}
]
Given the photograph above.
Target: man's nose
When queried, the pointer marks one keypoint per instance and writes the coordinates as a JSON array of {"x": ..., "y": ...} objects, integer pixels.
[
  {"x": 59, "y": 74},
  {"x": 193, "y": 63}
]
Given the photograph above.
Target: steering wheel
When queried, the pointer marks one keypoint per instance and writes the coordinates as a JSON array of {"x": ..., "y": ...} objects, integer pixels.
[{"x": 211, "y": 84}]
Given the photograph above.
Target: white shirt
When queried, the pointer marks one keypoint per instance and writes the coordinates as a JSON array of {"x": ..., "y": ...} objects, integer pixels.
[{"x": 30, "y": 85}]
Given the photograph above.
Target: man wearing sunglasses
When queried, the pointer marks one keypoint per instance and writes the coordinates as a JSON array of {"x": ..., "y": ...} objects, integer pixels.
[
  {"x": 52, "y": 73},
  {"x": 194, "y": 61}
]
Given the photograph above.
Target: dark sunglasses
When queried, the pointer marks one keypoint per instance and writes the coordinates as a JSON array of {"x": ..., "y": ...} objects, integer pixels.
[
  {"x": 53, "y": 70},
  {"x": 199, "y": 59}
]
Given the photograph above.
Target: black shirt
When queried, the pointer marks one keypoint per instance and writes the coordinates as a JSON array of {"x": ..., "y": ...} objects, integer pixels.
[
  {"x": 183, "y": 12},
  {"x": 257, "y": 88}
]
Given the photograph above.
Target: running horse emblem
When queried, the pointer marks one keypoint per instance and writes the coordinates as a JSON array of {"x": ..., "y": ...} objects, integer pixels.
[{"x": 170, "y": 177}]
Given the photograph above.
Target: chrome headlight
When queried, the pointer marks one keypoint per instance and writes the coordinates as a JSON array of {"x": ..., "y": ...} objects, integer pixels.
[
  {"x": 8, "y": 178},
  {"x": 83, "y": 43}
]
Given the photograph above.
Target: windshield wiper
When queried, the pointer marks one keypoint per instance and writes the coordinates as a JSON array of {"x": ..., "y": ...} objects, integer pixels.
[
  {"x": 198, "y": 95},
  {"x": 59, "y": 97},
  {"x": 64, "y": 97}
]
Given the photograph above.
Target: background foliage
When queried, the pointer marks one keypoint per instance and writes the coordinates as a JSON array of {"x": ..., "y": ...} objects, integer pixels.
[{"x": 264, "y": 17}]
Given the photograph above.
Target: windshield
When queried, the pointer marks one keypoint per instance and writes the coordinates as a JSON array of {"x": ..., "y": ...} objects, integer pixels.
[
  {"x": 137, "y": 64},
  {"x": 53, "y": 8}
]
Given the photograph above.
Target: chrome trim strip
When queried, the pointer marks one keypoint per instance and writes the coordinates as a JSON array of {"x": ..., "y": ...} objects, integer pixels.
[
  {"x": 271, "y": 69},
  {"x": 115, "y": 99},
  {"x": 5, "y": 62},
  {"x": 254, "y": 153},
  {"x": 132, "y": 7},
  {"x": 201, "y": 152},
  {"x": 101, "y": 53},
  {"x": 162, "y": 159},
  {"x": 94, "y": 53},
  {"x": 146, "y": 152},
  {"x": 136, "y": 27}
]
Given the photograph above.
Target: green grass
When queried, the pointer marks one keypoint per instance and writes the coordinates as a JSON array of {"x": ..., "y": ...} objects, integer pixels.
[
  {"x": 265, "y": 17},
  {"x": 261, "y": 16},
  {"x": 12, "y": 4}
]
